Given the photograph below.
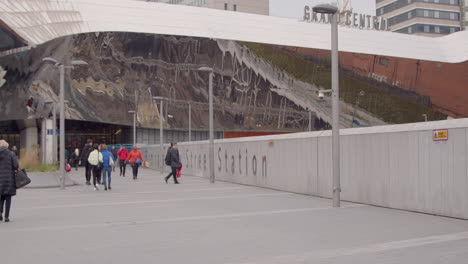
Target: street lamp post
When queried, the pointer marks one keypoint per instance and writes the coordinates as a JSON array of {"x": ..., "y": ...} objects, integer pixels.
[
  {"x": 210, "y": 101},
  {"x": 62, "y": 68},
  {"x": 161, "y": 131},
  {"x": 333, "y": 11},
  {"x": 189, "y": 121},
  {"x": 134, "y": 125}
]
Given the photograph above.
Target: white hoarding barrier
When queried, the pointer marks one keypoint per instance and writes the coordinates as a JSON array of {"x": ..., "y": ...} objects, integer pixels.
[{"x": 405, "y": 167}]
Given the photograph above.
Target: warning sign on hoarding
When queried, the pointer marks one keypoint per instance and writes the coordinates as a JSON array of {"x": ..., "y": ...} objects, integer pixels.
[{"x": 440, "y": 135}]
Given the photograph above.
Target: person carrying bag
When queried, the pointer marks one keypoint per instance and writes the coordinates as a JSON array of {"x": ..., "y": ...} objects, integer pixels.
[
  {"x": 174, "y": 161},
  {"x": 95, "y": 160},
  {"x": 8, "y": 166}
]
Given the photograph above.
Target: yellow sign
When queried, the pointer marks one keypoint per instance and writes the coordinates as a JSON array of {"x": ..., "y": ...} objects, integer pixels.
[{"x": 440, "y": 135}]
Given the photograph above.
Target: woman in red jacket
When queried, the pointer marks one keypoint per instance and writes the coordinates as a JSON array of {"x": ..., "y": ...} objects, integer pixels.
[
  {"x": 123, "y": 154},
  {"x": 135, "y": 158}
]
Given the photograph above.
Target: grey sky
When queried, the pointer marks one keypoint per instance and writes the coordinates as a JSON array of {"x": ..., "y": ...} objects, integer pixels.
[{"x": 294, "y": 8}]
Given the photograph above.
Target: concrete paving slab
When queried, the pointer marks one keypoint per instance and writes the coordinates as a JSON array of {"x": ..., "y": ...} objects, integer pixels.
[{"x": 149, "y": 221}]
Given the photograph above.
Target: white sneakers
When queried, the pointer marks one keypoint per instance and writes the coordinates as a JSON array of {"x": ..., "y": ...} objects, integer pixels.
[{"x": 96, "y": 187}]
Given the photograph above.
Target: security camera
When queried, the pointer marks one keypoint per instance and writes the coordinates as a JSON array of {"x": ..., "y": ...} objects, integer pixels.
[{"x": 321, "y": 95}]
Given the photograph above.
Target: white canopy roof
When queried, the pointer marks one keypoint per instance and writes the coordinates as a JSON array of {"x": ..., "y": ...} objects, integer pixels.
[{"x": 39, "y": 21}]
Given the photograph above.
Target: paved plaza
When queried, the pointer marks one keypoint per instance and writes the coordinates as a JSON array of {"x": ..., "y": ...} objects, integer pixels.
[{"x": 147, "y": 221}]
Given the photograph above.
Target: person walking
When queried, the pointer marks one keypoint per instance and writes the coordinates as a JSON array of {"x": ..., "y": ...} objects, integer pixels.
[
  {"x": 114, "y": 157},
  {"x": 174, "y": 161},
  {"x": 106, "y": 167},
  {"x": 75, "y": 158},
  {"x": 135, "y": 158},
  {"x": 15, "y": 150},
  {"x": 8, "y": 164},
  {"x": 123, "y": 154},
  {"x": 88, "y": 147},
  {"x": 95, "y": 160}
]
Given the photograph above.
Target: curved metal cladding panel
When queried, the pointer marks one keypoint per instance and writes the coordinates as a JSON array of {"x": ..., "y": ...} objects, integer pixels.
[{"x": 39, "y": 21}]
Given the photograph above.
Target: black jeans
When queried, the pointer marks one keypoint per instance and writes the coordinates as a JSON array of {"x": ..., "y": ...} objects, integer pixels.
[
  {"x": 96, "y": 175},
  {"x": 135, "y": 170},
  {"x": 173, "y": 174},
  {"x": 5, "y": 199},
  {"x": 99, "y": 174},
  {"x": 123, "y": 166},
  {"x": 88, "y": 171}
]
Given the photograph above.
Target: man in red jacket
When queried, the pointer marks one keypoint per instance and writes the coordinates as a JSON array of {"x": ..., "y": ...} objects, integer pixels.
[{"x": 123, "y": 154}]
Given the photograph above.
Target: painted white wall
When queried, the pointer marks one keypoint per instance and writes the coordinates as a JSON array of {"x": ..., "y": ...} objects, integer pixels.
[{"x": 392, "y": 166}]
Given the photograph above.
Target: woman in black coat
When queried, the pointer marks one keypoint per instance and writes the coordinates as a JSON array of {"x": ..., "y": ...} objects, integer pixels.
[{"x": 8, "y": 164}]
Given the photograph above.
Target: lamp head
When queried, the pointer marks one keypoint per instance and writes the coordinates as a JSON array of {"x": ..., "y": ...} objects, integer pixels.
[
  {"x": 51, "y": 61},
  {"x": 78, "y": 63},
  {"x": 205, "y": 69},
  {"x": 325, "y": 9}
]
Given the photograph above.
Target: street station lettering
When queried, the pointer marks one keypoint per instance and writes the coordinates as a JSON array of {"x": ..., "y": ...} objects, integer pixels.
[
  {"x": 348, "y": 19},
  {"x": 240, "y": 162}
]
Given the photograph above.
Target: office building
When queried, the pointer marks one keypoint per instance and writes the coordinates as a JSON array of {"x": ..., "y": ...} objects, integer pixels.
[
  {"x": 261, "y": 7},
  {"x": 423, "y": 17}
]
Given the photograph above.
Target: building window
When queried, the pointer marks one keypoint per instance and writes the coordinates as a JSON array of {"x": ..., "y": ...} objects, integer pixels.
[
  {"x": 452, "y": 30},
  {"x": 384, "y": 61},
  {"x": 225, "y": 6},
  {"x": 437, "y": 29},
  {"x": 426, "y": 13},
  {"x": 235, "y": 7},
  {"x": 410, "y": 30},
  {"x": 452, "y": 16},
  {"x": 426, "y": 28},
  {"x": 436, "y": 14}
]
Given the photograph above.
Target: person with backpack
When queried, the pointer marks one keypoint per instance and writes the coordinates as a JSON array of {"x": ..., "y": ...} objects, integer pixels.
[
  {"x": 95, "y": 160},
  {"x": 174, "y": 161},
  {"x": 167, "y": 159},
  {"x": 136, "y": 159},
  {"x": 107, "y": 162}
]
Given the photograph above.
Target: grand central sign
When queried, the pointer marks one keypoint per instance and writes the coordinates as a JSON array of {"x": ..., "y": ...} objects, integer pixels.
[{"x": 348, "y": 19}]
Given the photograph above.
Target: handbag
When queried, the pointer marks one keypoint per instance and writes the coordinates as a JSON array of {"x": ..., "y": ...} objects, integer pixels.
[
  {"x": 68, "y": 167},
  {"x": 179, "y": 172},
  {"x": 111, "y": 161},
  {"x": 22, "y": 179}
]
